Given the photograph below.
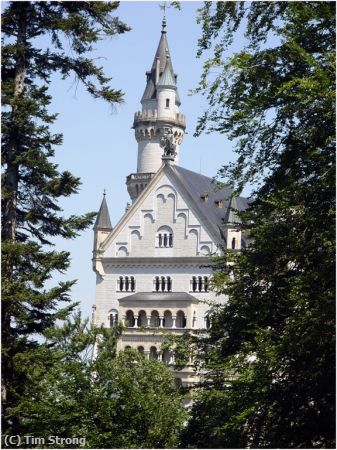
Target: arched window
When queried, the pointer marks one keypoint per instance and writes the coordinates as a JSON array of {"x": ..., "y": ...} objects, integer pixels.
[
  {"x": 133, "y": 284},
  {"x": 141, "y": 350},
  {"x": 169, "y": 284},
  {"x": 207, "y": 321},
  {"x": 113, "y": 317},
  {"x": 168, "y": 321},
  {"x": 167, "y": 103},
  {"x": 130, "y": 319},
  {"x": 200, "y": 284},
  {"x": 166, "y": 357},
  {"x": 162, "y": 284},
  {"x": 153, "y": 353},
  {"x": 127, "y": 284},
  {"x": 194, "y": 284},
  {"x": 154, "y": 320},
  {"x": 164, "y": 237},
  {"x": 157, "y": 284},
  {"x": 180, "y": 320},
  {"x": 233, "y": 243},
  {"x": 142, "y": 319},
  {"x": 206, "y": 284}
]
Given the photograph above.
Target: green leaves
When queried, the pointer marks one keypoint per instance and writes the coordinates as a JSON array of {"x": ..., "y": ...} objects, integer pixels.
[
  {"x": 32, "y": 184},
  {"x": 271, "y": 348}
]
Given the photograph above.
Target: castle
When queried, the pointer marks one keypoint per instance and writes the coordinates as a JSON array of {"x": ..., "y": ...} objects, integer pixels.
[{"x": 150, "y": 268}]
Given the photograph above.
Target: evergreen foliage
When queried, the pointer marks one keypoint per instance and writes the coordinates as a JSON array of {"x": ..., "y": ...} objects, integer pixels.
[
  {"x": 270, "y": 355},
  {"x": 111, "y": 401},
  {"x": 31, "y": 182}
]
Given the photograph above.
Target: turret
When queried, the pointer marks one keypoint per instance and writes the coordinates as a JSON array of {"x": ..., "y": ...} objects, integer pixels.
[
  {"x": 159, "y": 116},
  {"x": 102, "y": 225},
  {"x": 232, "y": 222}
]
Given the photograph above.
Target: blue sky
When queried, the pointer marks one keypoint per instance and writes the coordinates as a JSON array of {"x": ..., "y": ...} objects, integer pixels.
[{"x": 99, "y": 144}]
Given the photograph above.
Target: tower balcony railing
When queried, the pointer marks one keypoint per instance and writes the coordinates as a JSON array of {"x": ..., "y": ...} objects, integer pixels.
[{"x": 152, "y": 115}]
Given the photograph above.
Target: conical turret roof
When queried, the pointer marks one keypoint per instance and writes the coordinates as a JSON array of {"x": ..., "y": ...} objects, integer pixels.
[
  {"x": 166, "y": 76},
  {"x": 231, "y": 216},
  {"x": 103, "y": 217}
]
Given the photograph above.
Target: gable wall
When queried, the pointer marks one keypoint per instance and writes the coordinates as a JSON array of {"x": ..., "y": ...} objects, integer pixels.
[{"x": 163, "y": 206}]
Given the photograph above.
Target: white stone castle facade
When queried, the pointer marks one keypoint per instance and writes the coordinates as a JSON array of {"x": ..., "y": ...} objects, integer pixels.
[{"x": 150, "y": 267}]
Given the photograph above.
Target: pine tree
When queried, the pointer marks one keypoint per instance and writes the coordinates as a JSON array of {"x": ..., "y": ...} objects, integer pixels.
[
  {"x": 32, "y": 184},
  {"x": 270, "y": 356}
]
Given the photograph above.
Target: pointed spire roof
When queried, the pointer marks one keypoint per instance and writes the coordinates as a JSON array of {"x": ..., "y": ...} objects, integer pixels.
[
  {"x": 162, "y": 51},
  {"x": 166, "y": 76},
  {"x": 103, "y": 217},
  {"x": 231, "y": 216}
]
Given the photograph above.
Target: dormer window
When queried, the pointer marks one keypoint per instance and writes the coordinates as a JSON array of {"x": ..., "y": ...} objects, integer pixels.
[{"x": 167, "y": 103}]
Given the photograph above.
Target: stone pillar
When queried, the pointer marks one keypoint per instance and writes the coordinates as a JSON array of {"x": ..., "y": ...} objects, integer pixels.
[
  {"x": 161, "y": 318},
  {"x": 148, "y": 318},
  {"x": 124, "y": 320},
  {"x": 147, "y": 354},
  {"x": 173, "y": 321}
]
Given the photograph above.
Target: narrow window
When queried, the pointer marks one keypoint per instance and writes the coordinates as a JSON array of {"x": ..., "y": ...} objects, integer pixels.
[
  {"x": 126, "y": 284},
  {"x": 169, "y": 284},
  {"x": 157, "y": 284},
  {"x": 194, "y": 284},
  {"x": 165, "y": 240},
  {"x": 167, "y": 103},
  {"x": 163, "y": 284},
  {"x": 200, "y": 284},
  {"x": 121, "y": 284},
  {"x": 160, "y": 240},
  {"x": 133, "y": 284},
  {"x": 233, "y": 243},
  {"x": 170, "y": 240},
  {"x": 206, "y": 283}
]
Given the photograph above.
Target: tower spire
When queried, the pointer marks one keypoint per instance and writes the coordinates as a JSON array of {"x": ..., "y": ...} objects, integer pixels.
[{"x": 159, "y": 118}]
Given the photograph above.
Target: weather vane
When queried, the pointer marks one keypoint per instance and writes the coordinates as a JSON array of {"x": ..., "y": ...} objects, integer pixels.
[{"x": 163, "y": 8}]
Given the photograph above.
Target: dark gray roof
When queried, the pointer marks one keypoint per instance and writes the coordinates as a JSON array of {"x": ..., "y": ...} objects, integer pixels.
[
  {"x": 167, "y": 296},
  {"x": 167, "y": 78},
  {"x": 103, "y": 218},
  {"x": 165, "y": 67},
  {"x": 198, "y": 185},
  {"x": 231, "y": 215}
]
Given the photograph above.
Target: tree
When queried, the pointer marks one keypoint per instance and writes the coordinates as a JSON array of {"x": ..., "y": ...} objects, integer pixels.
[
  {"x": 112, "y": 401},
  {"x": 31, "y": 183},
  {"x": 271, "y": 351}
]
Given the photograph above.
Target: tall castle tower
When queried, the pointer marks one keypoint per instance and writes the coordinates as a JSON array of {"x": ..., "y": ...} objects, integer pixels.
[
  {"x": 159, "y": 117},
  {"x": 152, "y": 268}
]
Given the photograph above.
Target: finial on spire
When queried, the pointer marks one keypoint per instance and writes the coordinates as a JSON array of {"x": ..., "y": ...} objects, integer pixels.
[
  {"x": 104, "y": 193},
  {"x": 163, "y": 24}
]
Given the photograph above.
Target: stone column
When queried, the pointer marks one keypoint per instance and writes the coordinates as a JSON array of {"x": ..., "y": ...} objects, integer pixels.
[
  {"x": 147, "y": 354},
  {"x": 173, "y": 321},
  {"x": 161, "y": 318}
]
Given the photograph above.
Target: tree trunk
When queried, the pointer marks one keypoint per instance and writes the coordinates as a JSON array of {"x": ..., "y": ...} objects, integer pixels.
[{"x": 9, "y": 217}]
